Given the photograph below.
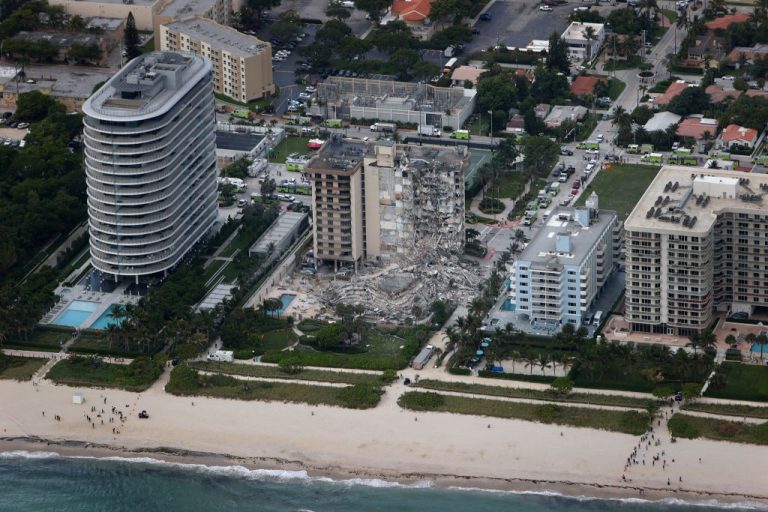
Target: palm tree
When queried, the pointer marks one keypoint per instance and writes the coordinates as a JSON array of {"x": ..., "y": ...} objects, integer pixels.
[
  {"x": 515, "y": 355},
  {"x": 543, "y": 360},
  {"x": 707, "y": 339},
  {"x": 694, "y": 341},
  {"x": 530, "y": 360},
  {"x": 762, "y": 339},
  {"x": 590, "y": 35},
  {"x": 520, "y": 236}
]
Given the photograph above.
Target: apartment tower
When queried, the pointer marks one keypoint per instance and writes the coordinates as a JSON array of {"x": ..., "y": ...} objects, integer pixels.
[
  {"x": 150, "y": 164},
  {"x": 242, "y": 64},
  {"x": 696, "y": 243}
]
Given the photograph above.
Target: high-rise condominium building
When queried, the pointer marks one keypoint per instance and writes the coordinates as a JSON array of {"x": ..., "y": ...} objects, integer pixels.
[
  {"x": 696, "y": 243},
  {"x": 242, "y": 64},
  {"x": 556, "y": 279},
  {"x": 375, "y": 200},
  {"x": 150, "y": 164}
]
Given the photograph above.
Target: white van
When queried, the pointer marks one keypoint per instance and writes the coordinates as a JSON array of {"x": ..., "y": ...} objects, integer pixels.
[{"x": 598, "y": 317}]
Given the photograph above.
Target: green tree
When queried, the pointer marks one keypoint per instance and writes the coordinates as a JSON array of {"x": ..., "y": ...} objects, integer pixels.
[
  {"x": 34, "y": 106},
  {"x": 329, "y": 336},
  {"x": 337, "y": 11},
  {"x": 590, "y": 35},
  {"x": 495, "y": 93},
  {"x": 393, "y": 36},
  {"x": 442, "y": 10},
  {"x": 260, "y": 6},
  {"x": 540, "y": 154},
  {"x": 558, "y": 54},
  {"x": 374, "y": 8},
  {"x": 692, "y": 100},
  {"x": 131, "y": 38},
  {"x": 81, "y": 53},
  {"x": 549, "y": 85},
  {"x": 562, "y": 385}
]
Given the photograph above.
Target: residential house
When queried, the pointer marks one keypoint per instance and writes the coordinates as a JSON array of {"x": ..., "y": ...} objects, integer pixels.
[
  {"x": 466, "y": 73},
  {"x": 696, "y": 127},
  {"x": 515, "y": 125},
  {"x": 706, "y": 48},
  {"x": 661, "y": 121},
  {"x": 562, "y": 113},
  {"x": 747, "y": 54},
  {"x": 585, "y": 85},
  {"x": 735, "y": 135},
  {"x": 723, "y": 22},
  {"x": 542, "y": 110},
  {"x": 673, "y": 90},
  {"x": 580, "y": 47},
  {"x": 415, "y": 14},
  {"x": 718, "y": 93},
  {"x": 622, "y": 48}
]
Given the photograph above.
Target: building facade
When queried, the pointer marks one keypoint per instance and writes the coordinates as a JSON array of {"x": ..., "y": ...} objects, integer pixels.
[
  {"x": 150, "y": 164},
  {"x": 242, "y": 64},
  {"x": 556, "y": 279},
  {"x": 581, "y": 47},
  {"x": 378, "y": 200},
  {"x": 695, "y": 244}
]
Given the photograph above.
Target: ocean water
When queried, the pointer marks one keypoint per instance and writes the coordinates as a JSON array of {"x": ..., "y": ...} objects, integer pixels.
[{"x": 43, "y": 482}]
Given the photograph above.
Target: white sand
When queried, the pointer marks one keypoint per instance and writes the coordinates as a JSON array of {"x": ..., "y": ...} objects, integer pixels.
[{"x": 385, "y": 441}]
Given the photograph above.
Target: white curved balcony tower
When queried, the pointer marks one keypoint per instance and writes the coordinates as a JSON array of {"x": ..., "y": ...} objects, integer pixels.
[{"x": 150, "y": 164}]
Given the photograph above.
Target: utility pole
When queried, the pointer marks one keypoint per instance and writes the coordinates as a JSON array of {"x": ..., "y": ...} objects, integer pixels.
[
  {"x": 642, "y": 50},
  {"x": 615, "y": 60},
  {"x": 490, "y": 123}
]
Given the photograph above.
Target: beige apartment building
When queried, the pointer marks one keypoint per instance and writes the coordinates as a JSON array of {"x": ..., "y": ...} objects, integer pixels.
[
  {"x": 696, "y": 243},
  {"x": 242, "y": 64},
  {"x": 380, "y": 200}
]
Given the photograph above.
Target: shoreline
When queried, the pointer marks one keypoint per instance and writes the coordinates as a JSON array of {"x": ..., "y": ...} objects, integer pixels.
[
  {"x": 461, "y": 483},
  {"x": 386, "y": 443}
]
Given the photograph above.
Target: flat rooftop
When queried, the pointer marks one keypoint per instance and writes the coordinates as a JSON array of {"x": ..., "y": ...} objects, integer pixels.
[
  {"x": 141, "y": 3},
  {"x": 237, "y": 141},
  {"x": 284, "y": 225},
  {"x": 59, "y": 39},
  {"x": 186, "y": 8},
  {"x": 220, "y": 36},
  {"x": 541, "y": 250},
  {"x": 680, "y": 194},
  {"x": 576, "y": 30},
  {"x": 340, "y": 154},
  {"x": 147, "y": 86}
]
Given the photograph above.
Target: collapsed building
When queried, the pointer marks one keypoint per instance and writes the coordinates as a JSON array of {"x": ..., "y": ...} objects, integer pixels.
[{"x": 394, "y": 215}]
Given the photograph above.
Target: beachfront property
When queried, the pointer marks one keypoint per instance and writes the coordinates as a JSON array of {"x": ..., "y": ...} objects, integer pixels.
[
  {"x": 150, "y": 164},
  {"x": 242, "y": 64},
  {"x": 387, "y": 100},
  {"x": 380, "y": 200},
  {"x": 580, "y": 47},
  {"x": 694, "y": 246},
  {"x": 556, "y": 279},
  {"x": 280, "y": 235}
]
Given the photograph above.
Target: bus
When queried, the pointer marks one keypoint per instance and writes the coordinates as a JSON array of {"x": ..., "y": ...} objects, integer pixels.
[{"x": 450, "y": 65}]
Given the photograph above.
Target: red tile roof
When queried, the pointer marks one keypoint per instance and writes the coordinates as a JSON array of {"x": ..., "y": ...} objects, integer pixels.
[
  {"x": 694, "y": 128},
  {"x": 673, "y": 90},
  {"x": 584, "y": 85},
  {"x": 724, "y": 22},
  {"x": 412, "y": 10},
  {"x": 718, "y": 95},
  {"x": 734, "y": 132}
]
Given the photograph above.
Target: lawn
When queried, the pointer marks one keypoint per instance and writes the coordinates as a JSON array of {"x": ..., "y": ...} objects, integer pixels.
[
  {"x": 479, "y": 125},
  {"x": 630, "y": 63},
  {"x": 615, "y": 88},
  {"x": 47, "y": 339},
  {"x": 693, "y": 427},
  {"x": 742, "y": 382},
  {"x": 585, "y": 128},
  {"x": 729, "y": 410},
  {"x": 290, "y": 145},
  {"x": 506, "y": 186},
  {"x": 535, "y": 394},
  {"x": 186, "y": 381},
  {"x": 628, "y": 422},
  {"x": 278, "y": 340},
  {"x": 242, "y": 241},
  {"x": 94, "y": 342},
  {"x": 93, "y": 372},
  {"x": 273, "y": 372},
  {"x": 382, "y": 351},
  {"x": 211, "y": 269},
  {"x": 671, "y": 15},
  {"x": 311, "y": 326},
  {"x": 620, "y": 187},
  {"x": 19, "y": 368}
]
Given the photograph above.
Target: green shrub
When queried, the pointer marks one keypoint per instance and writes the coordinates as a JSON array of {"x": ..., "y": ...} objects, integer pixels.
[
  {"x": 420, "y": 401},
  {"x": 460, "y": 371},
  {"x": 290, "y": 365},
  {"x": 184, "y": 380},
  {"x": 389, "y": 376},
  {"x": 243, "y": 353},
  {"x": 549, "y": 413},
  {"x": 562, "y": 385},
  {"x": 679, "y": 426},
  {"x": 517, "y": 376},
  {"x": 361, "y": 396}
]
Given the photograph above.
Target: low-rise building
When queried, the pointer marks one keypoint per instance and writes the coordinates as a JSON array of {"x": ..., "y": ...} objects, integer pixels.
[
  {"x": 242, "y": 64},
  {"x": 516, "y": 125},
  {"x": 746, "y": 54},
  {"x": 718, "y": 93},
  {"x": 707, "y": 49},
  {"x": 415, "y": 14},
  {"x": 661, "y": 121},
  {"x": 556, "y": 279},
  {"x": 672, "y": 91},
  {"x": 735, "y": 135},
  {"x": 697, "y": 127},
  {"x": 723, "y": 22},
  {"x": 585, "y": 85},
  {"x": 280, "y": 235},
  {"x": 113, "y": 28},
  {"x": 542, "y": 110},
  {"x": 463, "y": 74},
  {"x": 580, "y": 46},
  {"x": 65, "y": 41},
  {"x": 143, "y": 10},
  {"x": 71, "y": 88},
  {"x": 562, "y": 113}
]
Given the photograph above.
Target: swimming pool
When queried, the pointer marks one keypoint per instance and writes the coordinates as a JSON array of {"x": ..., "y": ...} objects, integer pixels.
[
  {"x": 76, "y": 313},
  {"x": 286, "y": 299},
  {"x": 757, "y": 348},
  {"x": 106, "y": 319}
]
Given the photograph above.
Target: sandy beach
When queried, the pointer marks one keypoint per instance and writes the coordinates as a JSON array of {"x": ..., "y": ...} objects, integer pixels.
[{"x": 385, "y": 442}]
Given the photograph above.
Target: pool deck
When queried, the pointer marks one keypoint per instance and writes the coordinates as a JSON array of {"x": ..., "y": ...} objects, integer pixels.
[{"x": 69, "y": 294}]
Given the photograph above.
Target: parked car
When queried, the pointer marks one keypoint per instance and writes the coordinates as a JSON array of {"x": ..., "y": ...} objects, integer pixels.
[
  {"x": 545, "y": 8},
  {"x": 566, "y": 152},
  {"x": 486, "y": 16}
]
